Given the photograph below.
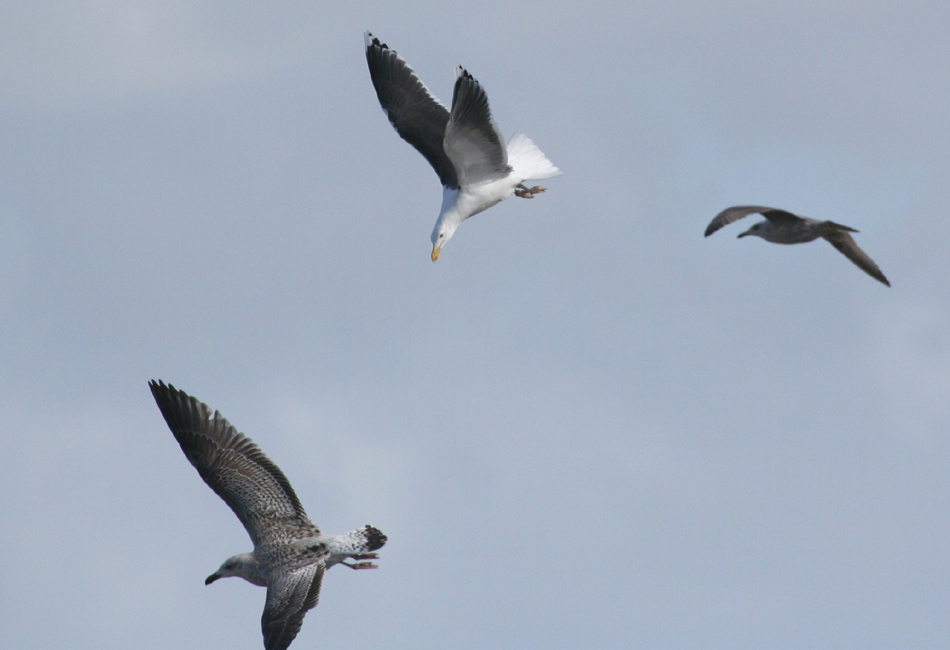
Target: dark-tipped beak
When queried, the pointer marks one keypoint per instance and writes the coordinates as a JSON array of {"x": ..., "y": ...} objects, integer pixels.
[
  {"x": 212, "y": 578},
  {"x": 741, "y": 235}
]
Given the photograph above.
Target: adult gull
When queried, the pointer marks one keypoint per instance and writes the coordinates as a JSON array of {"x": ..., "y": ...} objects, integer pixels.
[
  {"x": 781, "y": 227},
  {"x": 464, "y": 145},
  {"x": 290, "y": 554}
]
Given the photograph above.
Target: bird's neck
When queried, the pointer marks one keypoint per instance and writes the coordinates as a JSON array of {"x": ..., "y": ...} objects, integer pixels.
[
  {"x": 245, "y": 566},
  {"x": 450, "y": 207}
]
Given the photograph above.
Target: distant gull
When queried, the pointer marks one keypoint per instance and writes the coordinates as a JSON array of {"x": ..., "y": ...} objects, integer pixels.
[
  {"x": 463, "y": 145},
  {"x": 783, "y": 227},
  {"x": 290, "y": 554}
]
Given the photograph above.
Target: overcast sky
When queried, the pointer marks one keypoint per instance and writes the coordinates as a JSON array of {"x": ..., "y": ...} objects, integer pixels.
[{"x": 586, "y": 426}]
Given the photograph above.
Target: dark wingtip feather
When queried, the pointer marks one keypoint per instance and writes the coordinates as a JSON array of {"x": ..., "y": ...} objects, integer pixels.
[
  {"x": 372, "y": 41},
  {"x": 170, "y": 401}
]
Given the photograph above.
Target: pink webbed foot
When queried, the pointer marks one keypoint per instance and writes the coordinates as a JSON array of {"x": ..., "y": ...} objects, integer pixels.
[
  {"x": 360, "y": 565},
  {"x": 363, "y": 565},
  {"x": 528, "y": 192}
]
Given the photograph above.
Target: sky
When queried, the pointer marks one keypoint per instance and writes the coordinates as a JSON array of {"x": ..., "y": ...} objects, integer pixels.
[{"x": 585, "y": 426}]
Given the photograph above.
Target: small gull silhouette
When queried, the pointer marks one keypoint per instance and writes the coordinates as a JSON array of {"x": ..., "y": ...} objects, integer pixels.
[
  {"x": 783, "y": 227},
  {"x": 464, "y": 146},
  {"x": 290, "y": 554}
]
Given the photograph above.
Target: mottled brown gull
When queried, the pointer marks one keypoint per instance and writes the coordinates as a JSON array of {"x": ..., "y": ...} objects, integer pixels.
[
  {"x": 464, "y": 145},
  {"x": 290, "y": 554},
  {"x": 781, "y": 227}
]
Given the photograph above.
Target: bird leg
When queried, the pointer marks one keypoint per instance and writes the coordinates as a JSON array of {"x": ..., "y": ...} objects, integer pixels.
[
  {"x": 363, "y": 565},
  {"x": 360, "y": 565},
  {"x": 528, "y": 193}
]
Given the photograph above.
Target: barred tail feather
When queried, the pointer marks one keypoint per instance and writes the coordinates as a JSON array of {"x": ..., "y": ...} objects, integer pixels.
[
  {"x": 368, "y": 538},
  {"x": 528, "y": 161}
]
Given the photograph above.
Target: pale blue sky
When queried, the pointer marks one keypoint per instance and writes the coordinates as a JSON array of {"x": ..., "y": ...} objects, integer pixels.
[{"x": 586, "y": 426}]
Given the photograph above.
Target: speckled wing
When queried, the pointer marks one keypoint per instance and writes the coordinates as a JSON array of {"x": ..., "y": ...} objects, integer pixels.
[
  {"x": 416, "y": 115},
  {"x": 232, "y": 465},
  {"x": 473, "y": 141},
  {"x": 840, "y": 239},
  {"x": 737, "y": 212},
  {"x": 288, "y": 600}
]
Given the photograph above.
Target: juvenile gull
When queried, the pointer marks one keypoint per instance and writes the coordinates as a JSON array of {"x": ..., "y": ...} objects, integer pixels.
[
  {"x": 464, "y": 145},
  {"x": 783, "y": 227},
  {"x": 290, "y": 554}
]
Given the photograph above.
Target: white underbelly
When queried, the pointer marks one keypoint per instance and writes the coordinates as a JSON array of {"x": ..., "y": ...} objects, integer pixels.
[{"x": 476, "y": 198}]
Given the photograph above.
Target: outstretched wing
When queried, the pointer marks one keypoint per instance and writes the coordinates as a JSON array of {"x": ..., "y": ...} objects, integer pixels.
[
  {"x": 288, "y": 599},
  {"x": 473, "y": 141},
  {"x": 737, "y": 212},
  {"x": 845, "y": 243},
  {"x": 412, "y": 110},
  {"x": 231, "y": 464}
]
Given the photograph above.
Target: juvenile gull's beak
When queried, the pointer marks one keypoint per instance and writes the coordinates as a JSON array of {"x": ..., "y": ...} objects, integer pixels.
[
  {"x": 435, "y": 252},
  {"x": 212, "y": 578}
]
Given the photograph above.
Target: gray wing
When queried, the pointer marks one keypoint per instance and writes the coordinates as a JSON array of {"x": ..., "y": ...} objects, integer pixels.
[
  {"x": 737, "y": 212},
  {"x": 288, "y": 600},
  {"x": 412, "y": 110},
  {"x": 473, "y": 141},
  {"x": 845, "y": 243},
  {"x": 231, "y": 464}
]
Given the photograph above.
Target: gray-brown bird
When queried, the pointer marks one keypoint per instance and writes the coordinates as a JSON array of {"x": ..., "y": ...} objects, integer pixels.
[
  {"x": 290, "y": 554},
  {"x": 781, "y": 227}
]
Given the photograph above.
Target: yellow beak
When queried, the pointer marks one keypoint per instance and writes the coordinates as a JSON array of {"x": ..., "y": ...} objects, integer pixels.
[{"x": 435, "y": 252}]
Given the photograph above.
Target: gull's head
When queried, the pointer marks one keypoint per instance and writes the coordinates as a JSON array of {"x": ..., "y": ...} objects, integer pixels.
[
  {"x": 441, "y": 234},
  {"x": 448, "y": 221},
  {"x": 242, "y": 565},
  {"x": 758, "y": 230}
]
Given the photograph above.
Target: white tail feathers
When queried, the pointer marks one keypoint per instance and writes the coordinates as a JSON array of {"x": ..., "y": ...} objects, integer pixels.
[{"x": 527, "y": 161}]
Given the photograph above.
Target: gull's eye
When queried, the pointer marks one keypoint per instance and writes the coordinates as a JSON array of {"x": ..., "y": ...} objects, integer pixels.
[{"x": 441, "y": 235}]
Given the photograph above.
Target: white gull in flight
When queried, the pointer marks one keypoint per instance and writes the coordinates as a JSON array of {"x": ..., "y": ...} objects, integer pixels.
[
  {"x": 783, "y": 227},
  {"x": 290, "y": 554},
  {"x": 464, "y": 146}
]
